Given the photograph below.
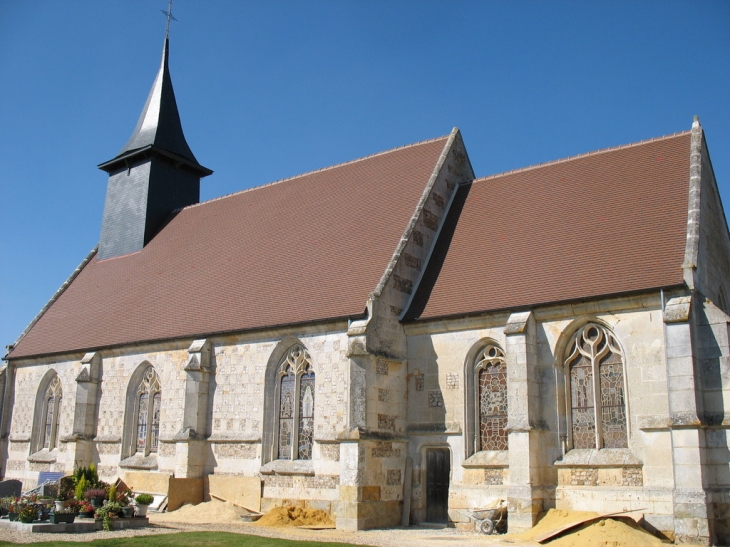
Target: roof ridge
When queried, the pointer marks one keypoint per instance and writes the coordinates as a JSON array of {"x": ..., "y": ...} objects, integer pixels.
[
  {"x": 585, "y": 154},
  {"x": 336, "y": 165}
]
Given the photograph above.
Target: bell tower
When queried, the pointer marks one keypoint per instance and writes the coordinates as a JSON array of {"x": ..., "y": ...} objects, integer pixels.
[{"x": 155, "y": 173}]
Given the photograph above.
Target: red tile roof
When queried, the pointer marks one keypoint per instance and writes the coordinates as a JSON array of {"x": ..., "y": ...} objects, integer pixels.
[
  {"x": 609, "y": 222},
  {"x": 309, "y": 248}
]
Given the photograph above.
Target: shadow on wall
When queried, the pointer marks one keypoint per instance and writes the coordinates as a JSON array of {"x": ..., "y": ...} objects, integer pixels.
[
  {"x": 713, "y": 341},
  {"x": 427, "y": 427}
]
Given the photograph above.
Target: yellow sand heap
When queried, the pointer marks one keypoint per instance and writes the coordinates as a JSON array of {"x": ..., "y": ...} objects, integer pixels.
[
  {"x": 295, "y": 516},
  {"x": 553, "y": 519},
  {"x": 209, "y": 512},
  {"x": 607, "y": 532}
]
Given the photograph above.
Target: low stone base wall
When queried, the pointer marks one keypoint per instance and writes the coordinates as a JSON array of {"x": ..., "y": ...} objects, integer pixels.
[
  {"x": 78, "y": 526},
  {"x": 365, "y": 515}
]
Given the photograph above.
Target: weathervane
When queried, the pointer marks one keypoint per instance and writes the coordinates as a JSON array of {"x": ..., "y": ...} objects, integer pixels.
[{"x": 169, "y": 16}]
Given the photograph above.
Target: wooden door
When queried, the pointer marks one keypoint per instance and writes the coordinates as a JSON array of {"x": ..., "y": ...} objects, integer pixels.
[{"x": 438, "y": 470}]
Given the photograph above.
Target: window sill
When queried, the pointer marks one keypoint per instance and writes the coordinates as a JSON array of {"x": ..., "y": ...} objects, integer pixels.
[
  {"x": 140, "y": 462},
  {"x": 486, "y": 459},
  {"x": 43, "y": 456},
  {"x": 605, "y": 457},
  {"x": 288, "y": 467}
]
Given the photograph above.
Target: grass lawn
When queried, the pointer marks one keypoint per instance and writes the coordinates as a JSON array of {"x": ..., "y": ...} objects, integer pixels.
[{"x": 188, "y": 539}]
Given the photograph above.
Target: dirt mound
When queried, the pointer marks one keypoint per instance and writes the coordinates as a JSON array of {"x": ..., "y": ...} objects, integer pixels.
[
  {"x": 295, "y": 516},
  {"x": 209, "y": 512}
]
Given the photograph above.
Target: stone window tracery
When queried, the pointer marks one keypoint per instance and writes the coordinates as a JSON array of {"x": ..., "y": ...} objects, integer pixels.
[
  {"x": 596, "y": 399},
  {"x": 53, "y": 397},
  {"x": 295, "y": 429},
  {"x": 491, "y": 385},
  {"x": 149, "y": 399}
]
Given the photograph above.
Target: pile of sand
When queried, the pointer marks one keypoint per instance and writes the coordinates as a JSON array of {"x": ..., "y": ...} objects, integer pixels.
[
  {"x": 295, "y": 516},
  {"x": 555, "y": 518},
  {"x": 209, "y": 512},
  {"x": 606, "y": 532}
]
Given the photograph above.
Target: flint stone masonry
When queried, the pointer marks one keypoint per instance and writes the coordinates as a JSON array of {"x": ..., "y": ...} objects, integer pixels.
[
  {"x": 452, "y": 381},
  {"x": 435, "y": 398},
  {"x": 330, "y": 452},
  {"x": 385, "y": 450},
  {"x": 235, "y": 450},
  {"x": 393, "y": 477},
  {"x": 420, "y": 382},
  {"x": 493, "y": 477}
]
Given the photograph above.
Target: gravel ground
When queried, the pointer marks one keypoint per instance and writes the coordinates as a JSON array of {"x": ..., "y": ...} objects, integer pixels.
[{"x": 398, "y": 537}]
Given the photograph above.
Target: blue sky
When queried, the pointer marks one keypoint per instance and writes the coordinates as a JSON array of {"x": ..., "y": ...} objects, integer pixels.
[{"x": 268, "y": 90}]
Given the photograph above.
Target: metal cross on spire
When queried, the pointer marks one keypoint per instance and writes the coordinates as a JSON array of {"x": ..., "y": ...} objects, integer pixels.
[{"x": 169, "y": 16}]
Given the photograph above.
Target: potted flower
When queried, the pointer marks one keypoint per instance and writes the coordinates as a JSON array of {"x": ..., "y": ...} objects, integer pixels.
[
  {"x": 86, "y": 510},
  {"x": 95, "y": 496},
  {"x": 143, "y": 502},
  {"x": 27, "y": 514},
  {"x": 106, "y": 513},
  {"x": 123, "y": 497},
  {"x": 46, "y": 501},
  {"x": 14, "y": 508},
  {"x": 60, "y": 503},
  {"x": 66, "y": 515}
]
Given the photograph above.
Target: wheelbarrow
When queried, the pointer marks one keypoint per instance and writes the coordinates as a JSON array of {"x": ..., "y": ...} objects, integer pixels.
[{"x": 487, "y": 521}]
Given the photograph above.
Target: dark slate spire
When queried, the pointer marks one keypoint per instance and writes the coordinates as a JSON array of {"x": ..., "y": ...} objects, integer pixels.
[
  {"x": 159, "y": 124},
  {"x": 154, "y": 175}
]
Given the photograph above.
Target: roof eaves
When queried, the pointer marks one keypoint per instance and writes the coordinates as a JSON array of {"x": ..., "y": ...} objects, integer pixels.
[
  {"x": 352, "y": 317},
  {"x": 537, "y": 305}
]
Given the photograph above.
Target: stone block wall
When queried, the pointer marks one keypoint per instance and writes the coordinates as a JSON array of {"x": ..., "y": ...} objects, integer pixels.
[
  {"x": 438, "y": 358},
  {"x": 20, "y": 439},
  {"x": 707, "y": 259},
  {"x": 238, "y": 399},
  {"x": 712, "y": 343},
  {"x": 402, "y": 276}
]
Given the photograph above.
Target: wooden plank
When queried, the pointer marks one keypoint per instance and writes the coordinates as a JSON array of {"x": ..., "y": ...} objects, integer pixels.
[
  {"x": 245, "y": 491},
  {"x": 407, "y": 483},
  {"x": 220, "y": 498},
  {"x": 542, "y": 538}
]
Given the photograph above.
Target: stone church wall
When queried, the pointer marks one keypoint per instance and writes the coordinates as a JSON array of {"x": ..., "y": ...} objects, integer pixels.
[
  {"x": 22, "y": 441},
  {"x": 439, "y": 358},
  {"x": 236, "y": 417}
]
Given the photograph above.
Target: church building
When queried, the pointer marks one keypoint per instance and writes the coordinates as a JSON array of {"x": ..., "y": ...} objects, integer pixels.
[{"x": 393, "y": 339}]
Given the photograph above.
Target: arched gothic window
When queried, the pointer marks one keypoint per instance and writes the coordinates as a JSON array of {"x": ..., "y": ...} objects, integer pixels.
[
  {"x": 52, "y": 411},
  {"x": 491, "y": 385},
  {"x": 296, "y": 405},
  {"x": 149, "y": 398},
  {"x": 597, "y": 404}
]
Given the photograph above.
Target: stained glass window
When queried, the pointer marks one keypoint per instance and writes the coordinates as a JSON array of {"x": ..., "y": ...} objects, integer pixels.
[
  {"x": 491, "y": 371},
  {"x": 306, "y": 415},
  {"x": 148, "y": 412},
  {"x": 296, "y": 405},
  {"x": 286, "y": 414},
  {"x": 49, "y": 421},
  {"x": 596, "y": 379},
  {"x": 53, "y": 411},
  {"x": 142, "y": 415}
]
